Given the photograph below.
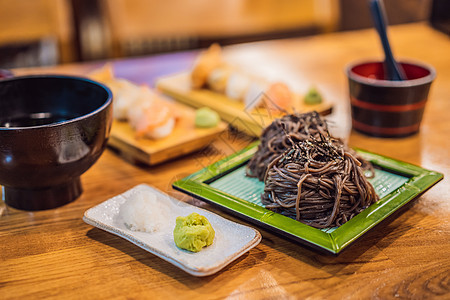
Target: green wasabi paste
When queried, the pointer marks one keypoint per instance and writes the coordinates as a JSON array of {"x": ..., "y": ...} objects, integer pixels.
[
  {"x": 313, "y": 96},
  {"x": 193, "y": 232},
  {"x": 206, "y": 118}
]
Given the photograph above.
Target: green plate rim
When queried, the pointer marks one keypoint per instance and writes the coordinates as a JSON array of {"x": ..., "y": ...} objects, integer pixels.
[{"x": 420, "y": 180}]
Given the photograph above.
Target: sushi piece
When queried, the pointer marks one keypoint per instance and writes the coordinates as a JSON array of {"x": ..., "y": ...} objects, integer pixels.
[
  {"x": 125, "y": 94},
  {"x": 150, "y": 116},
  {"x": 254, "y": 96},
  {"x": 212, "y": 72},
  {"x": 279, "y": 97},
  {"x": 205, "y": 64},
  {"x": 237, "y": 86},
  {"x": 124, "y": 91},
  {"x": 145, "y": 110},
  {"x": 273, "y": 96},
  {"x": 218, "y": 78}
]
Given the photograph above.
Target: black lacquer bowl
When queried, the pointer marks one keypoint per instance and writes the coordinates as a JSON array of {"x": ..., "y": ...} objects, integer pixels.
[{"x": 52, "y": 129}]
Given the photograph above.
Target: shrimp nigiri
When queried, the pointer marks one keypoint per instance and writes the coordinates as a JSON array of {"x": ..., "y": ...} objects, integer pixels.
[
  {"x": 146, "y": 112},
  {"x": 151, "y": 116},
  {"x": 205, "y": 64}
]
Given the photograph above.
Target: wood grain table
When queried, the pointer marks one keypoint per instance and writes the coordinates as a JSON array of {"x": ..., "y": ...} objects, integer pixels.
[{"x": 54, "y": 254}]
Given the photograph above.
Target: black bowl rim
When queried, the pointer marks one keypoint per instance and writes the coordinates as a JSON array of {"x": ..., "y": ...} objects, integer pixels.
[
  {"x": 79, "y": 78},
  {"x": 391, "y": 83}
]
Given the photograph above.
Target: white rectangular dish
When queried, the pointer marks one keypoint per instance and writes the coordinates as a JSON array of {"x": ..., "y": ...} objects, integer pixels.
[{"x": 231, "y": 239}]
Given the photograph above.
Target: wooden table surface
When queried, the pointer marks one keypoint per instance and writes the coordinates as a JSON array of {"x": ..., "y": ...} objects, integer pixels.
[{"x": 54, "y": 254}]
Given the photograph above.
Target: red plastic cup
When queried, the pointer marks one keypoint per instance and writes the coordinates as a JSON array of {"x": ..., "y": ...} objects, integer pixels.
[{"x": 386, "y": 108}]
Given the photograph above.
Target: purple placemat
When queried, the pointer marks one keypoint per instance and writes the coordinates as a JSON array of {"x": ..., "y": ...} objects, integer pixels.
[{"x": 145, "y": 70}]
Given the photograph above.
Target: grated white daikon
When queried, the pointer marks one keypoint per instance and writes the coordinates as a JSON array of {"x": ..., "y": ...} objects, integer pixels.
[{"x": 143, "y": 212}]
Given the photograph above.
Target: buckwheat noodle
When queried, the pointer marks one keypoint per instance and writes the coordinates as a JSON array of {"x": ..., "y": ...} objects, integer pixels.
[
  {"x": 309, "y": 175},
  {"x": 278, "y": 137}
]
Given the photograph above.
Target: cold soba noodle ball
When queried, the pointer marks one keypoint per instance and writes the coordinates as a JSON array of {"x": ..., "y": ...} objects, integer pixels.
[{"x": 309, "y": 175}]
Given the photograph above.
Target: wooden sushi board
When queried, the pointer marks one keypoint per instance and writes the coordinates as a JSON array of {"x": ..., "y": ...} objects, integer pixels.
[
  {"x": 251, "y": 122},
  {"x": 185, "y": 138}
]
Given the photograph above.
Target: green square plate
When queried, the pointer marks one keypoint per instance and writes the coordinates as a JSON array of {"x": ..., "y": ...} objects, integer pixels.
[{"x": 224, "y": 184}]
